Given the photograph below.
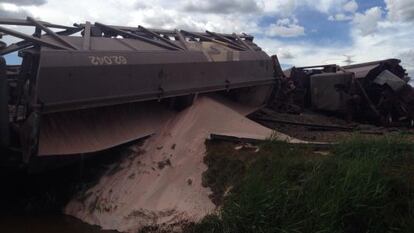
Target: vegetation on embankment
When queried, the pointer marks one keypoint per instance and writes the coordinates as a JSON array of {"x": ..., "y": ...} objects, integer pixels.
[{"x": 363, "y": 185}]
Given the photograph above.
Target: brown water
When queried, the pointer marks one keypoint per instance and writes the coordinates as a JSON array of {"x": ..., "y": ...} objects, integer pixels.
[{"x": 46, "y": 224}]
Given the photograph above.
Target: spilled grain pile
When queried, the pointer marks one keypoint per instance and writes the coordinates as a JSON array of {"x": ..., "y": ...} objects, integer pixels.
[{"x": 160, "y": 183}]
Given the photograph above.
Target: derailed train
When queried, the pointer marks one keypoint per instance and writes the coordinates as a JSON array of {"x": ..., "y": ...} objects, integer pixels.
[
  {"x": 70, "y": 75},
  {"x": 374, "y": 92}
]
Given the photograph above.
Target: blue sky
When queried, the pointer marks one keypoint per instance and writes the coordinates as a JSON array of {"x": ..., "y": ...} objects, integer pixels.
[
  {"x": 300, "y": 32},
  {"x": 13, "y": 59}
]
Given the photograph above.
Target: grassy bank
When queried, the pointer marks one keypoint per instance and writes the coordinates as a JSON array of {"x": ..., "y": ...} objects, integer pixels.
[{"x": 361, "y": 186}]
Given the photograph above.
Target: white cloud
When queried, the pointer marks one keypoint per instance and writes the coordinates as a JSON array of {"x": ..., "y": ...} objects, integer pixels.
[
  {"x": 351, "y": 6},
  {"x": 400, "y": 10},
  {"x": 217, "y": 15},
  {"x": 158, "y": 14},
  {"x": 283, "y": 8},
  {"x": 286, "y": 8},
  {"x": 408, "y": 61},
  {"x": 25, "y": 2},
  {"x": 9, "y": 10},
  {"x": 222, "y": 7},
  {"x": 345, "y": 13},
  {"x": 284, "y": 53},
  {"x": 10, "y": 7},
  {"x": 340, "y": 17},
  {"x": 325, "y": 6},
  {"x": 367, "y": 22},
  {"x": 285, "y": 28}
]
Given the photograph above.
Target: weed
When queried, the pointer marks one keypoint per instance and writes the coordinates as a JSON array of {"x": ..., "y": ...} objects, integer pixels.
[{"x": 365, "y": 186}]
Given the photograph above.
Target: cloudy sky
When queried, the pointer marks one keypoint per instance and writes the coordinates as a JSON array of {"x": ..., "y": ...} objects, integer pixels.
[{"x": 300, "y": 32}]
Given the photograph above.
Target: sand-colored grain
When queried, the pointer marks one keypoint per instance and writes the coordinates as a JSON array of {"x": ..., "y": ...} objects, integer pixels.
[{"x": 161, "y": 184}]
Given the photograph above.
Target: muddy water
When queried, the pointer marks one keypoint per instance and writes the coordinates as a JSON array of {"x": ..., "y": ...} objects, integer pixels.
[{"x": 46, "y": 224}]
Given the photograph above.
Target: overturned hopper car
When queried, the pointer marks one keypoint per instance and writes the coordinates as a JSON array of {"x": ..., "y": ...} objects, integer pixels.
[
  {"x": 376, "y": 91},
  {"x": 70, "y": 77}
]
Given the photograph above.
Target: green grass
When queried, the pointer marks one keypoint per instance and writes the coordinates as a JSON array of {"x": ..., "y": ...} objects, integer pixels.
[{"x": 365, "y": 185}]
